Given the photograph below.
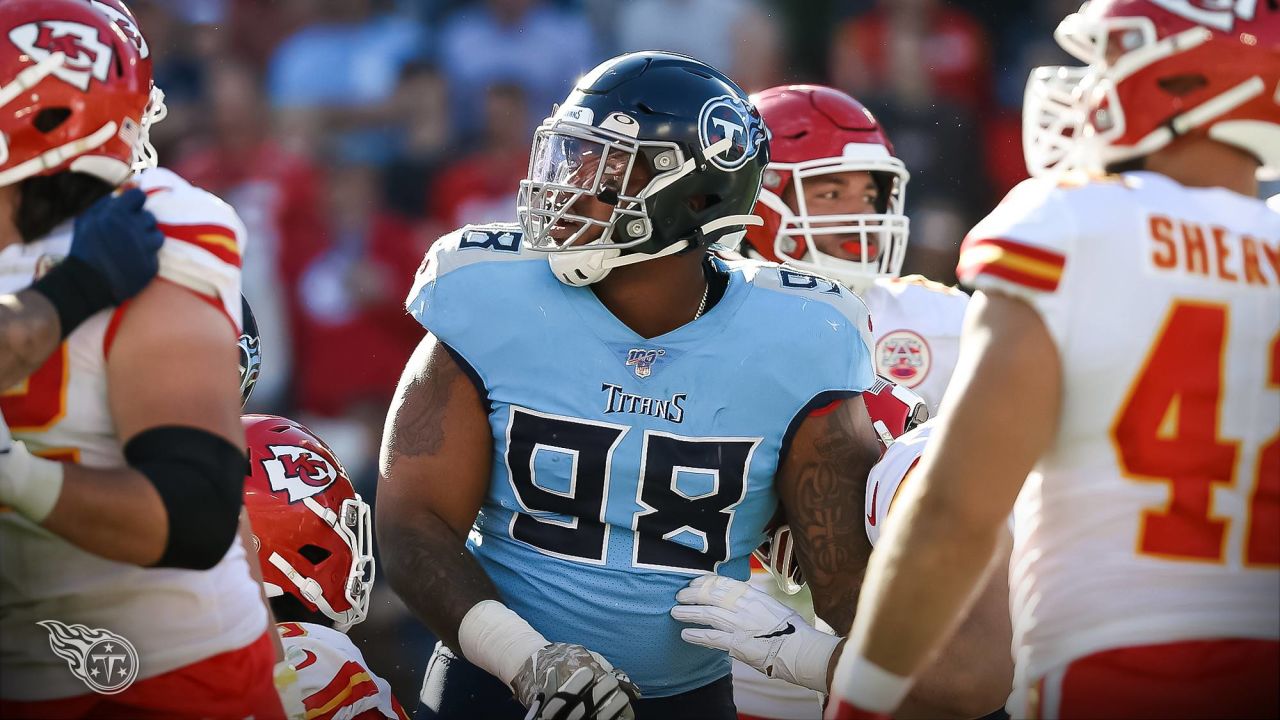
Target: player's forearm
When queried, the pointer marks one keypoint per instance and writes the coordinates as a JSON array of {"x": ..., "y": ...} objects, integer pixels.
[
  {"x": 29, "y": 332},
  {"x": 116, "y": 514},
  {"x": 930, "y": 561},
  {"x": 822, "y": 488},
  {"x": 430, "y": 568},
  {"x": 973, "y": 673}
]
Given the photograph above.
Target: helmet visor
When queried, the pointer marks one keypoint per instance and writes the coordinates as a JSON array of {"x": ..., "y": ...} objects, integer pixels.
[{"x": 582, "y": 185}]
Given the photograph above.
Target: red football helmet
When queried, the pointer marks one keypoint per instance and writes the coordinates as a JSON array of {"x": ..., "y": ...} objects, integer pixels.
[
  {"x": 894, "y": 411},
  {"x": 817, "y": 131},
  {"x": 73, "y": 90},
  {"x": 1156, "y": 69},
  {"x": 122, "y": 16},
  {"x": 312, "y": 531}
]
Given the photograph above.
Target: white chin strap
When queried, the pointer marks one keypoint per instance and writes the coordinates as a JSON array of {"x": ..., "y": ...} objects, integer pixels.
[
  {"x": 311, "y": 590},
  {"x": 585, "y": 267}
]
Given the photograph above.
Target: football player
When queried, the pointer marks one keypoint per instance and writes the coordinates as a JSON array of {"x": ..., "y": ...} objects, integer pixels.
[
  {"x": 775, "y": 646},
  {"x": 832, "y": 204},
  {"x": 123, "y": 483},
  {"x": 314, "y": 541},
  {"x": 111, "y": 258},
  {"x": 1121, "y": 379},
  {"x": 572, "y": 440}
]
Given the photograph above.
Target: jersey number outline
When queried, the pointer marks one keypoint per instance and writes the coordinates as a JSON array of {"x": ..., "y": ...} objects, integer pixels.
[
  {"x": 39, "y": 401},
  {"x": 570, "y": 523},
  {"x": 1167, "y": 431}
]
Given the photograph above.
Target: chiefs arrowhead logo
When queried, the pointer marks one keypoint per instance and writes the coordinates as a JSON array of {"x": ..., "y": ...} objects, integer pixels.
[
  {"x": 126, "y": 25},
  {"x": 1217, "y": 14},
  {"x": 301, "y": 472},
  {"x": 87, "y": 56}
]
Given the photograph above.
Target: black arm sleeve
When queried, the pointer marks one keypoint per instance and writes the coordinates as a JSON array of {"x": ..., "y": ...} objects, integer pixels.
[{"x": 200, "y": 479}]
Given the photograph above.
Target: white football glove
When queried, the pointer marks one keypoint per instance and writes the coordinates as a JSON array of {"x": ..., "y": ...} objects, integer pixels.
[
  {"x": 29, "y": 484},
  {"x": 756, "y": 629},
  {"x": 563, "y": 682}
]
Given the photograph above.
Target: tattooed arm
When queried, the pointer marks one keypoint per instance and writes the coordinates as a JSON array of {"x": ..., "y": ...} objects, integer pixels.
[
  {"x": 435, "y": 463},
  {"x": 29, "y": 332},
  {"x": 821, "y": 483}
]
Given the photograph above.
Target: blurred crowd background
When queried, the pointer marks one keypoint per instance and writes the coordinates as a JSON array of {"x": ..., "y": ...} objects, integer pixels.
[{"x": 349, "y": 134}]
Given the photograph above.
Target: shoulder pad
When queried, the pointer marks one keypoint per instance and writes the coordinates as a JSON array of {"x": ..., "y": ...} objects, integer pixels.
[
  {"x": 922, "y": 284},
  {"x": 810, "y": 287},
  {"x": 204, "y": 238},
  {"x": 886, "y": 477},
  {"x": 1024, "y": 243},
  {"x": 467, "y": 246}
]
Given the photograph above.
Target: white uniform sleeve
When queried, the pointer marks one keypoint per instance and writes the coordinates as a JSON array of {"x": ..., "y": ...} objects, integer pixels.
[
  {"x": 1024, "y": 248},
  {"x": 203, "y": 238},
  {"x": 335, "y": 681},
  {"x": 887, "y": 475}
]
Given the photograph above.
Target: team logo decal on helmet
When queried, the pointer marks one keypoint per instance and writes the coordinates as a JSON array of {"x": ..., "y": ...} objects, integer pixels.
[
  {"x": 727, "y": 117},
  {"x": 903, "y": 356},
  {"x": 126, "y": 25},
  {"x": 1217, "y": 14},
  {"x": 87, "y": 57},
  {"x": 299, "y": 471}
]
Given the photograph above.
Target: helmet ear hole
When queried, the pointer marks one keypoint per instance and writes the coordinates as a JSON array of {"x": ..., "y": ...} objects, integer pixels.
[
  {"x": 314, "y": 554},
  {"x": 50, "y": 119},
  {"x": 1179, "y": 85}
]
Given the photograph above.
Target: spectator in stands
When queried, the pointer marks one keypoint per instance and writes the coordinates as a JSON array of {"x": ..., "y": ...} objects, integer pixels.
[
  {"x": 421, "y": 104},
  {"x": 528, "y": 42},
  {"x": 921, "y": 49},
  {"x": 351, "y": 334},
  {"x": 481, "y": 187},
  {"x": 735, "y": 36},
  {"x": 339, "y": 72},
  {"x": 275, "y": 192},
  {"x": 922, "y": 68}
]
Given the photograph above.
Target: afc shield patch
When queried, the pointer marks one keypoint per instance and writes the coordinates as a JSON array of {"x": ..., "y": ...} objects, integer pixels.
[{"x": 904, "y": 357}]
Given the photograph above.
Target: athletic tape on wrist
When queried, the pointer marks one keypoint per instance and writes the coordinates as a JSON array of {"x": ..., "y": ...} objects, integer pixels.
[
  {"x": 32, "y": 484},
  {"x": 496, "y": 639},
  {"x": 868, "y": 686}
]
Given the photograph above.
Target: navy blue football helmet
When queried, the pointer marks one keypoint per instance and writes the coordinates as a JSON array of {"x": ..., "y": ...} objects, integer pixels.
[
  {"x": 653, "y": 153},
  {"x": 250, "y": 352}
]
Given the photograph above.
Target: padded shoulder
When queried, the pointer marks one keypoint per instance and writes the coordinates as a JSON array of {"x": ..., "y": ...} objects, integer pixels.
[
  {"x": 469, "y": 245},
  {"x": 204, "y": 238},
  {"x": 808, "y": 287}
]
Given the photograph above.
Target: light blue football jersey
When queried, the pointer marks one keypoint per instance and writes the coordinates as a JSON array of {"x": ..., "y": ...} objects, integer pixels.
[{"x": 625, "y": 466}]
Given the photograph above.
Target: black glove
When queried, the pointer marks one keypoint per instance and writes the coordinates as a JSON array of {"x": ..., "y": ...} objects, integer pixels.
[
  {"x": 113, "y": 257},
  {"x": 119, "y": 239}
]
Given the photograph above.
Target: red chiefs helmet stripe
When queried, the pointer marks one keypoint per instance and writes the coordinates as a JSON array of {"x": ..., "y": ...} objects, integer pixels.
[
  {"x": 1036, "y": 268},
  {"x": 351, "y": 683},
  {"x": 218, "y": 240}
]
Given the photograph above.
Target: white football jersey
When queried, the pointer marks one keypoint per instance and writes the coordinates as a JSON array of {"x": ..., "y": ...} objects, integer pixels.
[
  {"x": 1155, "y": 515},
  {"x": 172, "y": 617},
  {"x": 335, "y": 681},
  {"x": 887, "y": 475},
  {"x": 916, "y": 331},
  {"x": 916, "y": 324}
]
